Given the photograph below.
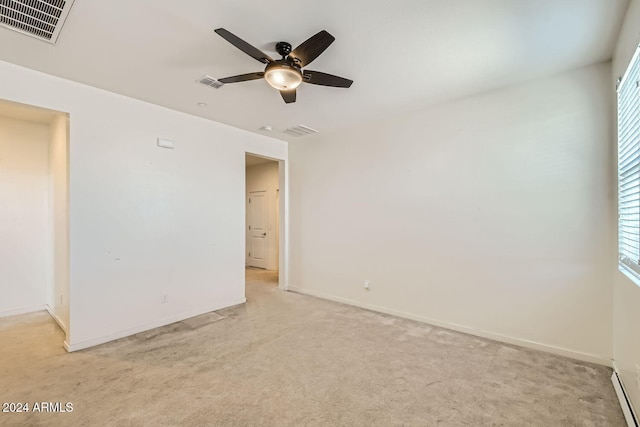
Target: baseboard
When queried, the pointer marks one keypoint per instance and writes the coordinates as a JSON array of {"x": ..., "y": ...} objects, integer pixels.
[
  {"x": 57, "y": 319},
  {"x": 151, "y": 325},
  {"x": 629, "y": 414},
  {"x": 24, "y": 310},
  {"x": 585, "y": 357}
]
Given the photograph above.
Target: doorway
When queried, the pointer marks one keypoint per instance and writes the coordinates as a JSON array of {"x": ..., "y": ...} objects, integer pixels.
[
  {"x": 262, "y": 228},
  {"x": 34, "y": 228}
]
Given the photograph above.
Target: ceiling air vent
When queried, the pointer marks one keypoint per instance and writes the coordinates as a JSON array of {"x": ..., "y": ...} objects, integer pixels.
[
  {"x": 300, "y": 130},
  {"x": 208, "y": 81},
  {"x": 42, "y": 19}
]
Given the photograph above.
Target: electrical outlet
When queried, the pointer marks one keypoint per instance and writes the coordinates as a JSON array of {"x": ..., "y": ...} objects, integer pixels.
[
  {"x": 164, "y": 298},
  {"x": 61, "y": 300},
  {"x": 367, "y": 285}
]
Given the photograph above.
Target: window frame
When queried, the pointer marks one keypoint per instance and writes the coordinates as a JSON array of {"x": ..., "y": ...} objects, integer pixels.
[{"x": 628, "y": 169}]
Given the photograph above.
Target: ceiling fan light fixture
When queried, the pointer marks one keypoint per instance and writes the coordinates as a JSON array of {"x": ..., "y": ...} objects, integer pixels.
[{"x": 283, "y": 76}]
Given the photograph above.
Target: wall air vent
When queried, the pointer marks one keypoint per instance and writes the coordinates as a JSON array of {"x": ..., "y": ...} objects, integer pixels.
[
  {"x": 42, "y": 19},
  {"x": 300, "y": 130},
  {"x": 208, "y": 81}
]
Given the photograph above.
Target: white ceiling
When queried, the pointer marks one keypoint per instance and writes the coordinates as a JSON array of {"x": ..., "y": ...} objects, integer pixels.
[{"x": 401, "y": 55}]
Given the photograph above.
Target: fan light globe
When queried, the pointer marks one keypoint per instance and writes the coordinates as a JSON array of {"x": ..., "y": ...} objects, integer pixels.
[{"x": 283, "y": 77}]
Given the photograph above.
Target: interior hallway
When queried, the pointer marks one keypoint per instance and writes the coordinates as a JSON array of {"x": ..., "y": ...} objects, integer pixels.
[{"x": 288, "y": 359}]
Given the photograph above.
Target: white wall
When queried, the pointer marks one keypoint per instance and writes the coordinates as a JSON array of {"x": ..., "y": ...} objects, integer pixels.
[
  {"x": 485, "y": 214},
  {"x": 24, "y": 238},
  {"x": 143, "y": 220},
  {"x": 265, "y": 177},
  {"x": 58, "y": 298},
  {"x": 626, "y": 305}
]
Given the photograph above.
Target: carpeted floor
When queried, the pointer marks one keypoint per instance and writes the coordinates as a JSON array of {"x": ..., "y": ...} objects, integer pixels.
[{"x": 285, "y": 359}]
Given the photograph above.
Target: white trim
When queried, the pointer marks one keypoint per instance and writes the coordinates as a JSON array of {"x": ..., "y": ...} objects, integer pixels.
[
  {"x": 629, "y": 414},
  {"x": 585, "y": 357},
  {"x": 24, "y": 310},
  {"x": 283, "y": 226},
  {"x": 629, "y": 272},
  {"x": 626, "y": 72},
  {"x": 57, "y": 319},
  {"x": 151, "y": 325}
]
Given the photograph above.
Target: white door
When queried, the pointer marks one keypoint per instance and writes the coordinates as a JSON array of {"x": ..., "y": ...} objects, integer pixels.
[{"x": 258, "y": 237}]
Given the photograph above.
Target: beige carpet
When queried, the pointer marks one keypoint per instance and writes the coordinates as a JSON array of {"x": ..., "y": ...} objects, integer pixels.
[{"x": 285, "y": 359}]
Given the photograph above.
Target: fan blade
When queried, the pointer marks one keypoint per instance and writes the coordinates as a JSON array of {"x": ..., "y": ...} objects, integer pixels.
[
  {"x": 324, "y": 79},
  {"x": 242, "y": 78},
  {"x": 312, "y": 48},
  {"x": 244, "y": 46},
  {"x": 289, "y": 96}
]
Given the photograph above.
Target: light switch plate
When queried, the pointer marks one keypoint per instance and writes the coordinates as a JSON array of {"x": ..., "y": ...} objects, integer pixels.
[{"x": 165, "y": 143}]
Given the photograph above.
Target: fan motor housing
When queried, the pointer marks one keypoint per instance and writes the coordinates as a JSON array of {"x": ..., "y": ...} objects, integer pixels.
[{"x": 283, "y": 48}]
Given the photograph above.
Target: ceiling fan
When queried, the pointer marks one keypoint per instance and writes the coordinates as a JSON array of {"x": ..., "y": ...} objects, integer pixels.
[{"x": 287, "y": 74}]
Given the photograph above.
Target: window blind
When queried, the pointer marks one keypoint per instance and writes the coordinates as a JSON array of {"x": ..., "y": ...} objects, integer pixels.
[{"x": 629, "y": 168}]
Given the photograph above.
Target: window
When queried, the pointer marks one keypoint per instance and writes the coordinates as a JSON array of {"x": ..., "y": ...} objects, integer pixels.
[{"x": 629, "y": 169}]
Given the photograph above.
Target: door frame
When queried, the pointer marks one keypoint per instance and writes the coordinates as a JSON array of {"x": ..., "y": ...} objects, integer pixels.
[{"x": 283, "y": 216}]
